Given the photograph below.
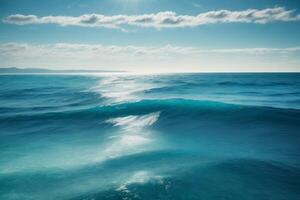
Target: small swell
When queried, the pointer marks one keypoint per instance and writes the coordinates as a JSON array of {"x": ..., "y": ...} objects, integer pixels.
[{"x": 168, "y": 108}]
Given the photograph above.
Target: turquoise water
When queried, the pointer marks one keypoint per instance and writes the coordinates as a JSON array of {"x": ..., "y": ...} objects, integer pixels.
[{"x": 125, "y": 136}]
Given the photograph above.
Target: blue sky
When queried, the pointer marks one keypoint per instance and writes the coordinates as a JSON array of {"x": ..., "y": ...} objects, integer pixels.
[{"x": 151, "y": 35}]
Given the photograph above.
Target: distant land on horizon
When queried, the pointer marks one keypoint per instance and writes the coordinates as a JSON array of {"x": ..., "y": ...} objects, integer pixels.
[{"x": 11, "y": 70}]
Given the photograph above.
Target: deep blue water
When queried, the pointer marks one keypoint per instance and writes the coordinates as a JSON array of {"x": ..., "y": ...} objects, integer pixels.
[{"x": 176, "y": 136}]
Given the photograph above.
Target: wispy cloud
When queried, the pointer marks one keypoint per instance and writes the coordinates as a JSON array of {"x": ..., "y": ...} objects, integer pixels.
[
  {"x": 160, "y": 20},
  {"x": 197, "y": 5},
  {"x": 145, "y": 58},
  {"x": 73, "y": 49}
]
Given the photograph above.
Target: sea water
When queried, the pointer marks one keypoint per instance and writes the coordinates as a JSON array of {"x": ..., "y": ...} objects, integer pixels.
[{"x": 170, "y": 136}]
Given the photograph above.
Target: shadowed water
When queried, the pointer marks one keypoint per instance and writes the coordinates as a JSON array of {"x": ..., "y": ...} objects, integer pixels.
[{"x": 125, "y": 136}]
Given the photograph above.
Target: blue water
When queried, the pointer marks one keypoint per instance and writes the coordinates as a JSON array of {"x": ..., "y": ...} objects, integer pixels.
[{"x": 126, "y": 136}]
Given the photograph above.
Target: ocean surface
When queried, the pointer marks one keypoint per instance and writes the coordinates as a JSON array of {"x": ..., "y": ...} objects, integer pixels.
[{"x": 171, "y": 136}]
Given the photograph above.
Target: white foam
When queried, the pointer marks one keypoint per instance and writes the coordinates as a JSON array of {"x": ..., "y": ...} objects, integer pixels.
[
  {"x": 126, "y": 145},
  {"x": 140, "y": 177},
  {"x": 134, "y": 136},
  {"x": 134, "y": 122}
]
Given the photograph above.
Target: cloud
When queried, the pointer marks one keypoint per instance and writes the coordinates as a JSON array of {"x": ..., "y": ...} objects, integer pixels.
[
  {"x": 160, "y": 20},
  {"x": 255, "y": 50},
  {"x": 83, "y": 50},
  {"x": 197, "y": 5},
  {"x": 21, "y": 19},
  {"x": 146, "y": 58}
]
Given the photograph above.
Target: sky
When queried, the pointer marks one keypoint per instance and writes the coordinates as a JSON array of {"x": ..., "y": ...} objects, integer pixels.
[{"x": 151, "y": 35}]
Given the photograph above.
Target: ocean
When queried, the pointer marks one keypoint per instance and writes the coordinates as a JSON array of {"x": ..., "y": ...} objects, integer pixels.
[{"x": 121, "y": 136}]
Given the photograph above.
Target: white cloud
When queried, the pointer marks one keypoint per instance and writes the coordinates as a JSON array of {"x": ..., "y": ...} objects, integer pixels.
[
  {"x": 142, "y": 58},
  {"x": 99, "y": 49},
  {"x": 160, "y": 20},
  {"x": 197, "y": 5}
]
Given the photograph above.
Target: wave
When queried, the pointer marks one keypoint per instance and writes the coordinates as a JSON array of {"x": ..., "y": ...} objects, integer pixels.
[
  {"x": 270, "y": 84},
  {"x": 183, "y": 85},
  {"x": 167, "y": 107},
  {"x": 162, "y": 175},
  {"x": 212, "y": 128},
  {"x": 229, "y": 179}
]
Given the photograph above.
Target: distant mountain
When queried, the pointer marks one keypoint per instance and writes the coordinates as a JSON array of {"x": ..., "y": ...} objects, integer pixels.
[{"x": 14, "y": 70}]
